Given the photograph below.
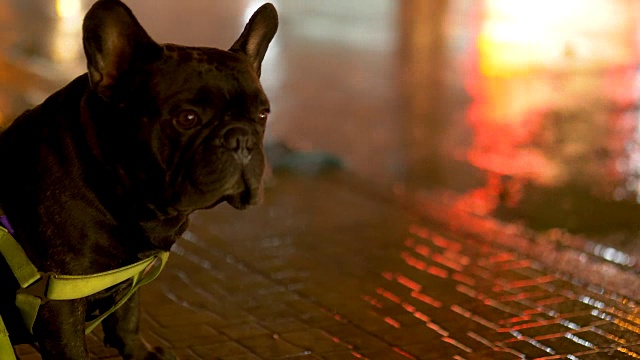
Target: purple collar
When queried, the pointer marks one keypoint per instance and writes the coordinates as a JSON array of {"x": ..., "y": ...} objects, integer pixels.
[{"x": 4, "y": 222}]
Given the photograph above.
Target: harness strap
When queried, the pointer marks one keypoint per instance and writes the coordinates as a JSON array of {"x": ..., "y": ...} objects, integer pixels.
[
  {"x": 6, "y": 349},
  {"x": 22, "y": 268},
  {"x": 38, "y": 288},
  {"x": 143, "y": 277}
]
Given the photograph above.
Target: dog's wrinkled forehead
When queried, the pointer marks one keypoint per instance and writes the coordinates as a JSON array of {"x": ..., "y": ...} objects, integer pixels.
[
  {"x": 184, "y": 55},
  {"x": 223, "y": 75}
]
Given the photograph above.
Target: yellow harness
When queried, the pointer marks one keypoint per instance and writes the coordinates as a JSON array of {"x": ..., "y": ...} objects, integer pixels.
[{"x": 37, "y": 288}]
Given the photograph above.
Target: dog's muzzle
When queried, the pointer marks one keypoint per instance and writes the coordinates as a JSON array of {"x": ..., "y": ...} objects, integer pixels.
[{"x": 241, "y": 141}]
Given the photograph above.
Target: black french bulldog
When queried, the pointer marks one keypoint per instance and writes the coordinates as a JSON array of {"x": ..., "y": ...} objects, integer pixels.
[{"x": 107, "y": 170}]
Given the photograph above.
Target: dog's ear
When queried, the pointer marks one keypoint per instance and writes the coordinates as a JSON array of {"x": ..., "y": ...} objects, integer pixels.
[
  {"x": 257, "y": 35},
  {"x": 116, "y": 46}
]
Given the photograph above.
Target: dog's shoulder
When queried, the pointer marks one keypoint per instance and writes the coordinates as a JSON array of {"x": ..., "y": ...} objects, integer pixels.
[{"x": 57, "y": 107}]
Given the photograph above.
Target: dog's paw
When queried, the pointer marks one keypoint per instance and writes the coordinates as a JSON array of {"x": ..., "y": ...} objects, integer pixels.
[{"x": 159, "y": 353}]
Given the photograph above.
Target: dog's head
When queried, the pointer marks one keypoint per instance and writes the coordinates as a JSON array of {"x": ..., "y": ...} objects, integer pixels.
[{"x": 183, "y": 125}]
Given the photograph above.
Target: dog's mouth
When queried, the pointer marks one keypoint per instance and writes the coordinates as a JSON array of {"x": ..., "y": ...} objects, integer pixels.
[
  {"x": 242, "y": 200},
  {"x": 239, "y": 186},
  {"x": 244, "y": 194}
]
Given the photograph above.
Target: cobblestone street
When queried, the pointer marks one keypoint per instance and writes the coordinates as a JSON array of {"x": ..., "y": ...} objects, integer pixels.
[{"x": 323, "y": 271}]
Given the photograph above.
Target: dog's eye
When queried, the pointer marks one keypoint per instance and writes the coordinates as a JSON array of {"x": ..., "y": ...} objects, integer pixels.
[
  {"x": 187, "y": 119},
  {"x": 263, "y": 115}
]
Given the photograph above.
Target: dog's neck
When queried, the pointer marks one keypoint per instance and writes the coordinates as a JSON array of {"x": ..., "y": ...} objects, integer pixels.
[{"x": 125, "y": 193}]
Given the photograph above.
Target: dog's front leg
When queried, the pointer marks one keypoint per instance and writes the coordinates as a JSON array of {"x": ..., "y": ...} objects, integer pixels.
[
  {"x": 121, "y": 331},
  {"x": 59, "y": 330}
]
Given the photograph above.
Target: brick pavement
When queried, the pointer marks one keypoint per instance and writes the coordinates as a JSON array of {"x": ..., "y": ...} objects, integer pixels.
[{"x": 324, "y": 271}]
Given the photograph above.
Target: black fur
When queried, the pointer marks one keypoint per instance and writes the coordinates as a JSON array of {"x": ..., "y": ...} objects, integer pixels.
[{"x": 106, "y": 171}]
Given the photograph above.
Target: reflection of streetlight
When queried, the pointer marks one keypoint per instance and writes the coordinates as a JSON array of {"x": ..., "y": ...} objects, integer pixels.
[
  {"x": 67, "y": 9},
  {"x": 518, "y": 35},
  {"x": 66, "y": 39}
]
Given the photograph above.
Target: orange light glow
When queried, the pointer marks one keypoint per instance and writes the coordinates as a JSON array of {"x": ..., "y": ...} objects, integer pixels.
[
  {"x": 421, "y": 316},
  {"x": 463, "y": 279},
  {"x": 403, "y": 353},
  {"x": 392, "y": 322},
  {"x": 426, "y": 299},
  {"x": 66, "y": 50},
  {"x": 518, "y": 35},
  {"x": 68, "y": 8},
  {"x": 537, "y": 63},
  {"x": 408, "y": 283},
  {"x": 389, "y": 295}
]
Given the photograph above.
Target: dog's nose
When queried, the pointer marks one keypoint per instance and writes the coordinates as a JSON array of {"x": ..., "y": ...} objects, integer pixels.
[{"x": 239, "y": 140}]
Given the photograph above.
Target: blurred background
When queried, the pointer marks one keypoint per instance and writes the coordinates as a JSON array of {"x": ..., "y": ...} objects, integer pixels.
[
  {"x": 523, "y": 111},
  {"x": 513, "y": 123}
]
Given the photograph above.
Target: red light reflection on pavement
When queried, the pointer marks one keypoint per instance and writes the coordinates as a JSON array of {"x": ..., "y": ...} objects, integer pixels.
[
  {"x": 404, "y": 353},
  {"x": 513, "y": 304}
]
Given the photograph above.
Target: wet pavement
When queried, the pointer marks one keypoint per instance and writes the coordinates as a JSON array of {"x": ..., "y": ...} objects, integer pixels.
[
  {"x": 325, "y": 270},
  {"x": 487, "y": 209}
]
